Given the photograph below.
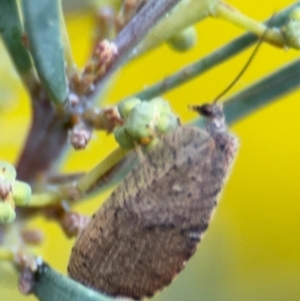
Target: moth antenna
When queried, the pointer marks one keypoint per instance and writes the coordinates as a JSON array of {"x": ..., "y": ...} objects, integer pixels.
[
  {"x": 245, "y": 66},
  {"x": 209, "y": 110}
]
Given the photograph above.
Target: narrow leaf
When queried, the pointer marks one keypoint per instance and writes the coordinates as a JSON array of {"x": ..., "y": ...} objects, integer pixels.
[
  {"x": 52, "y": 286},
  {"x": 42, "y": 25},
  {"x": 11, "y": 31}
]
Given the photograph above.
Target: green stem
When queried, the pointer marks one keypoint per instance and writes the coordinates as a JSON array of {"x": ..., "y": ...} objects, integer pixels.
[
  {"x": 185, "y": 14},
  {"x": 131, "y": 35},
  {"x": 45, "y": 199},
  {"x": 82, "y": 186},
  {"x": 85, "y": 183},
  {"x": 228, "y": 13}
]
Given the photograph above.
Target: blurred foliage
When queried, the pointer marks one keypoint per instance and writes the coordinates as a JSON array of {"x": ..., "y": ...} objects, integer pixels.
[{"x": 251, "y": 251}]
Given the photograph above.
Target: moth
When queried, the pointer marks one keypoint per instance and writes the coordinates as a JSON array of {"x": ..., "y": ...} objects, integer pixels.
[{"x": 150, "y": 226}]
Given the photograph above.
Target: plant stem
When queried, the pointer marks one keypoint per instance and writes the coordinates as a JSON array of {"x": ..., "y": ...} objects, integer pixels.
[
  {"x": 46, "y": 139},
  {"x": 132, "y": 34},
  {"x": 186, "y": 14},
  {"x": 80, "y": 187},
  {"x": 39, "y": 200},
  {"x": 90, "y": 179},
  {"x": 228, "y": 13}
]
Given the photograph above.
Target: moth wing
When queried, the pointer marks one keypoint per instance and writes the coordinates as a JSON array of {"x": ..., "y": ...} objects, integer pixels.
[{"x": 143, "y": 235}]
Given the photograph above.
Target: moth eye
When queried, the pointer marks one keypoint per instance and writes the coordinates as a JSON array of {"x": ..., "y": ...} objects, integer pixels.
[{"x": 205, "y": 110}]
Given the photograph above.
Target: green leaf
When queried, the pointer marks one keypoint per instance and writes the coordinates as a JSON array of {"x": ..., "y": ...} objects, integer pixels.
[
  {"x": 50, "y": 285},
  {"x": 11, "y": 31},
  {"x": 42, "y": 25}
]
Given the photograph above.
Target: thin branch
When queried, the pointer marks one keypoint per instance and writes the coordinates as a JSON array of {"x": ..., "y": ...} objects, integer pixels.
[
  {"x": 88, "y": 183},
  {"x": 89, "y": 180},
  {"x": 46, "y": 138},
  {"x": 230, "y": 14},
  {"x": 132, "y": 34}
]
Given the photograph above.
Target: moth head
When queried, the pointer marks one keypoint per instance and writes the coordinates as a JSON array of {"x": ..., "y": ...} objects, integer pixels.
[{"x": 214, "y": 113}]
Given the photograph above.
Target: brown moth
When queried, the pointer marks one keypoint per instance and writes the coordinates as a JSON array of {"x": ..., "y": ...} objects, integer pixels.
[{"x": 151, "y": 225}]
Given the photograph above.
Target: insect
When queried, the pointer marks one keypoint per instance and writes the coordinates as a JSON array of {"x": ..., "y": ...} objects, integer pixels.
[
  {"x": 152, "y": 223},
  {"x": 144, "y": 234}
]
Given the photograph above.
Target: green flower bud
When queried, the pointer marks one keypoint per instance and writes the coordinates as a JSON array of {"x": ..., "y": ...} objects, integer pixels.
[
  {"x": 7, "y": 171},
  {"x": 184, "y": 40},
  {"x": 292, "y": 30},
  {"x": 21, "y": 193},
  {"x": 141, "y": 121},
  {"x": 123, "y": 139},
  {"x": 161, "y": 106},
  {"x": 166, "y": 123},
  {"x": 144, "y": 121},
  {"x": 7, "y": 213},
  {"x": 126, "y": 106}
]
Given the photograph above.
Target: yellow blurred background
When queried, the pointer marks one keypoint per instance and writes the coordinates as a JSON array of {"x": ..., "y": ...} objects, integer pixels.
[{"x": 252, "y": 248}]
